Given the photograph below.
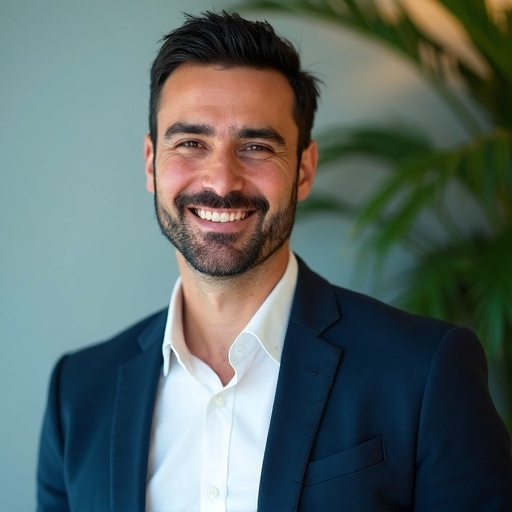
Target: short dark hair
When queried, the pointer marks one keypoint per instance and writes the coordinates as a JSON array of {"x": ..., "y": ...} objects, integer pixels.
[{"x": 230, "y": 40}]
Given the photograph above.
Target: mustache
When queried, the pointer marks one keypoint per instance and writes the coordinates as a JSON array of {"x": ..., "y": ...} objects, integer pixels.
[{"x": 233, "y": 200}]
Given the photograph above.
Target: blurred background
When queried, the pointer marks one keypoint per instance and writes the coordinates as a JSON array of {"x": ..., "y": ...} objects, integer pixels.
[{"x": 81, "y": 253}]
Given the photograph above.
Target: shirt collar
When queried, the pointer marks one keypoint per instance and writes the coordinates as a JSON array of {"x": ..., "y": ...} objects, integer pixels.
[{"x": 268, "y": 325}]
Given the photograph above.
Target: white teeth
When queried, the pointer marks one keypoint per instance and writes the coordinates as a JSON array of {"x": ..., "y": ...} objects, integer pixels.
[{"x": 221, "y": 217}]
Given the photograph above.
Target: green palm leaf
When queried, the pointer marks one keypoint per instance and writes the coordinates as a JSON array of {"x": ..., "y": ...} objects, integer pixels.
[
  {"x": 387, "y": 143},
  {"x": 488, "y": 37},
  {"x": 419, "y": 182},
  {"x": 321, "y": 203},
  {"x": 468, "y": 283},
  {"x": 436, "y": 285},
  {"x": 490, "y": 290}
]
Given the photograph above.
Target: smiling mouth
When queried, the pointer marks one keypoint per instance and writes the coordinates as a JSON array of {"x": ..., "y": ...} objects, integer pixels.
[{"x": 215, "y": 216}]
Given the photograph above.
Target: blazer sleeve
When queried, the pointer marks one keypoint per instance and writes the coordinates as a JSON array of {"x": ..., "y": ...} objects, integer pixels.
[
  {"x": 51, "y": 487},
  {"x": 464, "y": 452}
]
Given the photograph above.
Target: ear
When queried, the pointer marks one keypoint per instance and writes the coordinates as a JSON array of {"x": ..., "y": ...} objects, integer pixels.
[
  {"x": 307, "y": 170},
  {"x": 149, "y": 155}
]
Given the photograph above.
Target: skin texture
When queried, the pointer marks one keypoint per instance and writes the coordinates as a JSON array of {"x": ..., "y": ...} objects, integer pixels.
[{"x": 227, "y": 145}]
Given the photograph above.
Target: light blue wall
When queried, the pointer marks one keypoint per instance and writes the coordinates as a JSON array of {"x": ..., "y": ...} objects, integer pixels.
[{"x": 81, "y": 255}]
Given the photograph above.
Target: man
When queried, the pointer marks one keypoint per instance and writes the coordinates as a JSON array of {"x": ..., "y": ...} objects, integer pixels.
[{"x": 262, "y": 386}]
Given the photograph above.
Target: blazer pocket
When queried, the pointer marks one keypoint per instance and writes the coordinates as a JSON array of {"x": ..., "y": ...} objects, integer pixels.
[{"x": 348, "y": 461}]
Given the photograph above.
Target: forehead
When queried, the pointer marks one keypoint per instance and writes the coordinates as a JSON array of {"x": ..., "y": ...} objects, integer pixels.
[{"x": 232, "y": 95}]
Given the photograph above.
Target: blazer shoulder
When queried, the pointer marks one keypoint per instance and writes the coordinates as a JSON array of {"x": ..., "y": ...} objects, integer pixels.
[
  {"x": 349, "y": 304},
  {"x": 359, "y": 305},
  {"x": 345, "y": 317}
]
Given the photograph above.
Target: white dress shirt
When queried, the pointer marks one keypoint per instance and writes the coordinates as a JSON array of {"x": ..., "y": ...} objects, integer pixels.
[{"x": 208, "y": 439}]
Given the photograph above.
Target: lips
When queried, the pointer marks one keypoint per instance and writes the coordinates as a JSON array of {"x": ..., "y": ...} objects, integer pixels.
[
  {"x": 231, "y": 208},
  {"x": 216, "y": 216}
]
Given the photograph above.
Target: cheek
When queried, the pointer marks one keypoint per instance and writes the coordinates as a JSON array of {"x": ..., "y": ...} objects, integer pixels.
[
  {"x": 173, "y": 177},
  {"x": 274, "y": 178},
  {"x": 279, "y": 193}
]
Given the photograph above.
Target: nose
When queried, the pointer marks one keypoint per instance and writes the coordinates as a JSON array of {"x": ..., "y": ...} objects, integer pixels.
[{"x": 222, "y": 173}]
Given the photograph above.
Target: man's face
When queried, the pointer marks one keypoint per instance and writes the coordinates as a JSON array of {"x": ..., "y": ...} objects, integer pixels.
[{"x": 224, "y": 170}]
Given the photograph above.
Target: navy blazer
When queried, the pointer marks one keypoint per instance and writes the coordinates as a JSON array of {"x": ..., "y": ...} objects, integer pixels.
[{"x": 375, "y": 410}]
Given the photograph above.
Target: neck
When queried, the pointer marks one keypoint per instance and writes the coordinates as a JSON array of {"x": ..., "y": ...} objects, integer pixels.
[{"x": 215, "y": 311}]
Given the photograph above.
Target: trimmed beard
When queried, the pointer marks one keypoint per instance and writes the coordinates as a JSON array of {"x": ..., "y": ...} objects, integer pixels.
[{"x": 219, "y": 255}]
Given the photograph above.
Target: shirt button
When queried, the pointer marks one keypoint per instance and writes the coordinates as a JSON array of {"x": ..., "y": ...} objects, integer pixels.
[
  {"x": 213, "y": 493},
  {"x": 240, "y": 350},
  {"x": 219, "y": 400}
]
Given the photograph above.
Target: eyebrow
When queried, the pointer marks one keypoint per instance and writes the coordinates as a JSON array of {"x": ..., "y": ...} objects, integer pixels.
[
  {"x": 262, "y": 133},
  {"x": 244, "y": 133},
  {"x": 195, "y": 129}
]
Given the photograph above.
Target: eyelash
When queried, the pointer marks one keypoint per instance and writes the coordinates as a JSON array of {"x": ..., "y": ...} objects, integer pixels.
[
  {"x": 189, "y": 144},
  {"x": 257, "y": 147}
]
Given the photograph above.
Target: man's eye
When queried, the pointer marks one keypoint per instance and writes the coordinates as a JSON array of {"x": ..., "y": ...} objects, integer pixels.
[
  {"x": 256, "y": 147},
  {"x": 189, "y": 144},
  {"x": 257, "y": 151}
]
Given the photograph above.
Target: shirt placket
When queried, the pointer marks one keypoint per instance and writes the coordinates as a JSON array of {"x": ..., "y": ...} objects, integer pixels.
[{"x": 216, "y": 441}]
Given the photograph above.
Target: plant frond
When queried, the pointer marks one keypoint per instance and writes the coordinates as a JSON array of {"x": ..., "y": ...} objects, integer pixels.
[
  {"x": 413, "y": 185},
  {"x": 436, "y": 286},
  {"x": 387, "y": 143},
  {"x": 482, "y": 166},
  {"x": 321, "y": 203},
  {"x": 486, "y": 33},
  {"x": 490, "y": 291}
]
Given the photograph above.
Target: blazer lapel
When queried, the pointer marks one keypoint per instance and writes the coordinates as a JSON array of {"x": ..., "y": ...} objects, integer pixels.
[
  {"x": 137, "y": 383},
  {"x": 308, "y": 366}
]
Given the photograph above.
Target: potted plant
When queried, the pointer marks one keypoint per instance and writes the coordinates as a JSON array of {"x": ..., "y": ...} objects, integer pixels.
[{"x": 463, "y": 273}]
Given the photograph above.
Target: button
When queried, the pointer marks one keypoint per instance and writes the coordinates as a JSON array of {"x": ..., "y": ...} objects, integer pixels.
[
  {"x": 219, "y": 400},
  {"x": 240, "y": 350},
  {"x": 213, "y": 493}
]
